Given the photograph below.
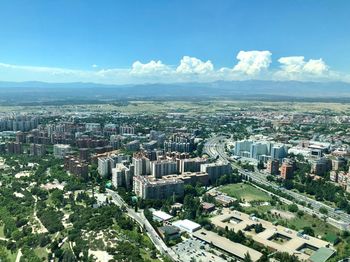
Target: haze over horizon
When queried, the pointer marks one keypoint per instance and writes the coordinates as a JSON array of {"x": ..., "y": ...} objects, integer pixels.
[{"x": 118, "y": 43}]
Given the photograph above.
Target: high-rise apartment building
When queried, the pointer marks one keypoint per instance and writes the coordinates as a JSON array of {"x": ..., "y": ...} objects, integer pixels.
[
  {"x": 147, "y": 187},
  {"x": 61, "y": 150},
  {"x": 163, "y": 167}
]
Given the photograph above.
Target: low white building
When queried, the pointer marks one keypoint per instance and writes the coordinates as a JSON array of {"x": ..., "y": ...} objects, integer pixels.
[
  {"x": 161, "y": 216},
  {"x": 186, "y": 225}
]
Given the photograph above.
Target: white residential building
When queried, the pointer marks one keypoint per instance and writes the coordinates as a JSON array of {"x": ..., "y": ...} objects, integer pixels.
[{"x": 61, "y": 150}]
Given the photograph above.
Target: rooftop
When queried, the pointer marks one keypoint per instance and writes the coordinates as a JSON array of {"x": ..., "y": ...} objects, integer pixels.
[
  {"x": 321, "y": 255},
  {"x": 161, "y": 215},
  {"x": 236, "y": 249}
]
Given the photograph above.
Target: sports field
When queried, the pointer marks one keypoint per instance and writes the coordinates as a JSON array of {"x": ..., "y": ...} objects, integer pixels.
[{"x": 245, "y": 192}]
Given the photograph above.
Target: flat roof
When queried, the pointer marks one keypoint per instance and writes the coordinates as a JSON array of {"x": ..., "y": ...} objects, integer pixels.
[
  {"x": 162, "y": 215},
  {"x": 187, "y": 224},
  {"x": 265, "y": 238},
  {"x": 321, "y": 255},
  {"x": 236, "y": 249}
]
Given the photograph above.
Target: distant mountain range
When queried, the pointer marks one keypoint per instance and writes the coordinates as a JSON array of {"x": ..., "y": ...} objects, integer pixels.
[{"x": 41, "y": 92}]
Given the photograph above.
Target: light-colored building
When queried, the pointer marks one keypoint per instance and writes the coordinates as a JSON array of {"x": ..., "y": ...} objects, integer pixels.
[
  {"x": 61, "y": 150},
  {"x": 161, "y": 216},
  {"x": 237, "y": 250},
  {"x": 126, "y": 130},
  {"x": 321, "y": 166},
  {"x": 275, "y": 237},
  {"x": 191, "y": 164},
  {"x": 279, "y": 151},
  {"x": 216, "y": 170},
  {"x": 242, "y": 147},
  {"x": 163, "y": 167},
  {"x": 37, "y": 150},
  {"x": 147, "y": 187},
  {"x": 92, "y": 127},
  {"x": 105, "y": 165},
  {"x": 142, "y": 165},
  {"x": 133, "y": 145},
  {"x": 338, "y": 163},
  {"x": 260, "y": 150},
  {"x": 122, "y": 176},
  {"x": 186, "y": 225}
]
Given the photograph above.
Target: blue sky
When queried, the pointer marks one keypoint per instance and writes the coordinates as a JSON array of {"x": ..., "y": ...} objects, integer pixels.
[{"x": 100, "y": 41}]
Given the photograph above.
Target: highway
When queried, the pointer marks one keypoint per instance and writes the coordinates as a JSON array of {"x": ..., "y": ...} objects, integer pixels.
[
  {"x": 140, "y": 218},
  {"x": 215, "y": 148}
]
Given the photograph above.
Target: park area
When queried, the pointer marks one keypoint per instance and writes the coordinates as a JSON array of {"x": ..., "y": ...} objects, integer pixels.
[{"x": 245, "y": 192}]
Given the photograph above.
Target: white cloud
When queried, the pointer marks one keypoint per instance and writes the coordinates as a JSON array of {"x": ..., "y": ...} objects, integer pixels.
[
  {"x": 317, "y": 67},
  {"x": 152, "y": 67},
  {"x": 94, "y": 66},
  {"x": 252, "y": 62},
  {"x": 292, "y": 64},
  {"x": 295, "y": 67},
  {"x": 39, "y": 69},
  {"x": 251, "y": 65},
  {"x": 192, "y": 65}
]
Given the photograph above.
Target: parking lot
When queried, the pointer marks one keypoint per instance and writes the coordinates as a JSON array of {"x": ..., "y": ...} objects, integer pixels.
[{"x": 197, "y": 251}]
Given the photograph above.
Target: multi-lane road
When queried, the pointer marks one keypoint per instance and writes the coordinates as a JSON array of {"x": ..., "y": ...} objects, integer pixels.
[{"x": 215, "y": 148}]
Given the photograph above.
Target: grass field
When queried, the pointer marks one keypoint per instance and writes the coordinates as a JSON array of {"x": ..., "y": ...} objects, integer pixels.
[
  {"x": 11, "y": 256},
  {"x": 2, "y": 231},
  {"x": 297, "y": 223},
  {"x": 319, "y": 226},
  {"x": 41, "y": 252},
  {"x": 245, "y": 192},
  {"x": 147, "y": 257}
]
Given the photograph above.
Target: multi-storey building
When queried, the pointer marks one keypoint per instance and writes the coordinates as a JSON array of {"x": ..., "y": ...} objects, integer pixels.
[
  {"x": 116, "y": 141},
  {"x": 76, "y": 166},
  {"x": 151, "y": 145},
  {"x": 20, "y": 137},
  {"x": 287, "y": 170},
  {"x": 109, "y": 129},
  {"x": 338, "y": 163},
  {"x": 19, "y": 123},
  {"x": 163, "y": 168},
  {"x": 321, "y": 166},
  {"x": 141, "y": 165},
  {"x": 278, "y": 152},
  {"x": 122, "y": 176},
  {"x": 84, "y": 154},
  {"x": 126, "y": 130},
  {"x": 216, "y": 170},
  {"x": 192, "y": 178},
  {"x": 61, "y": 150},
  {"x": 37, "y": 150},
  {"x": 105, "y": 165},
  {"x": 93, "y": 127},
  {"x": 191, "y": 164},
  {"x": 14, "y": 148},
  {"x": 179, "y": 143},
  {"x": 147, "y": 187},
  {"x": 260, "y": 150},
  {"x": 133, "y": 145},
  {"x": 273, "y": 167}
]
